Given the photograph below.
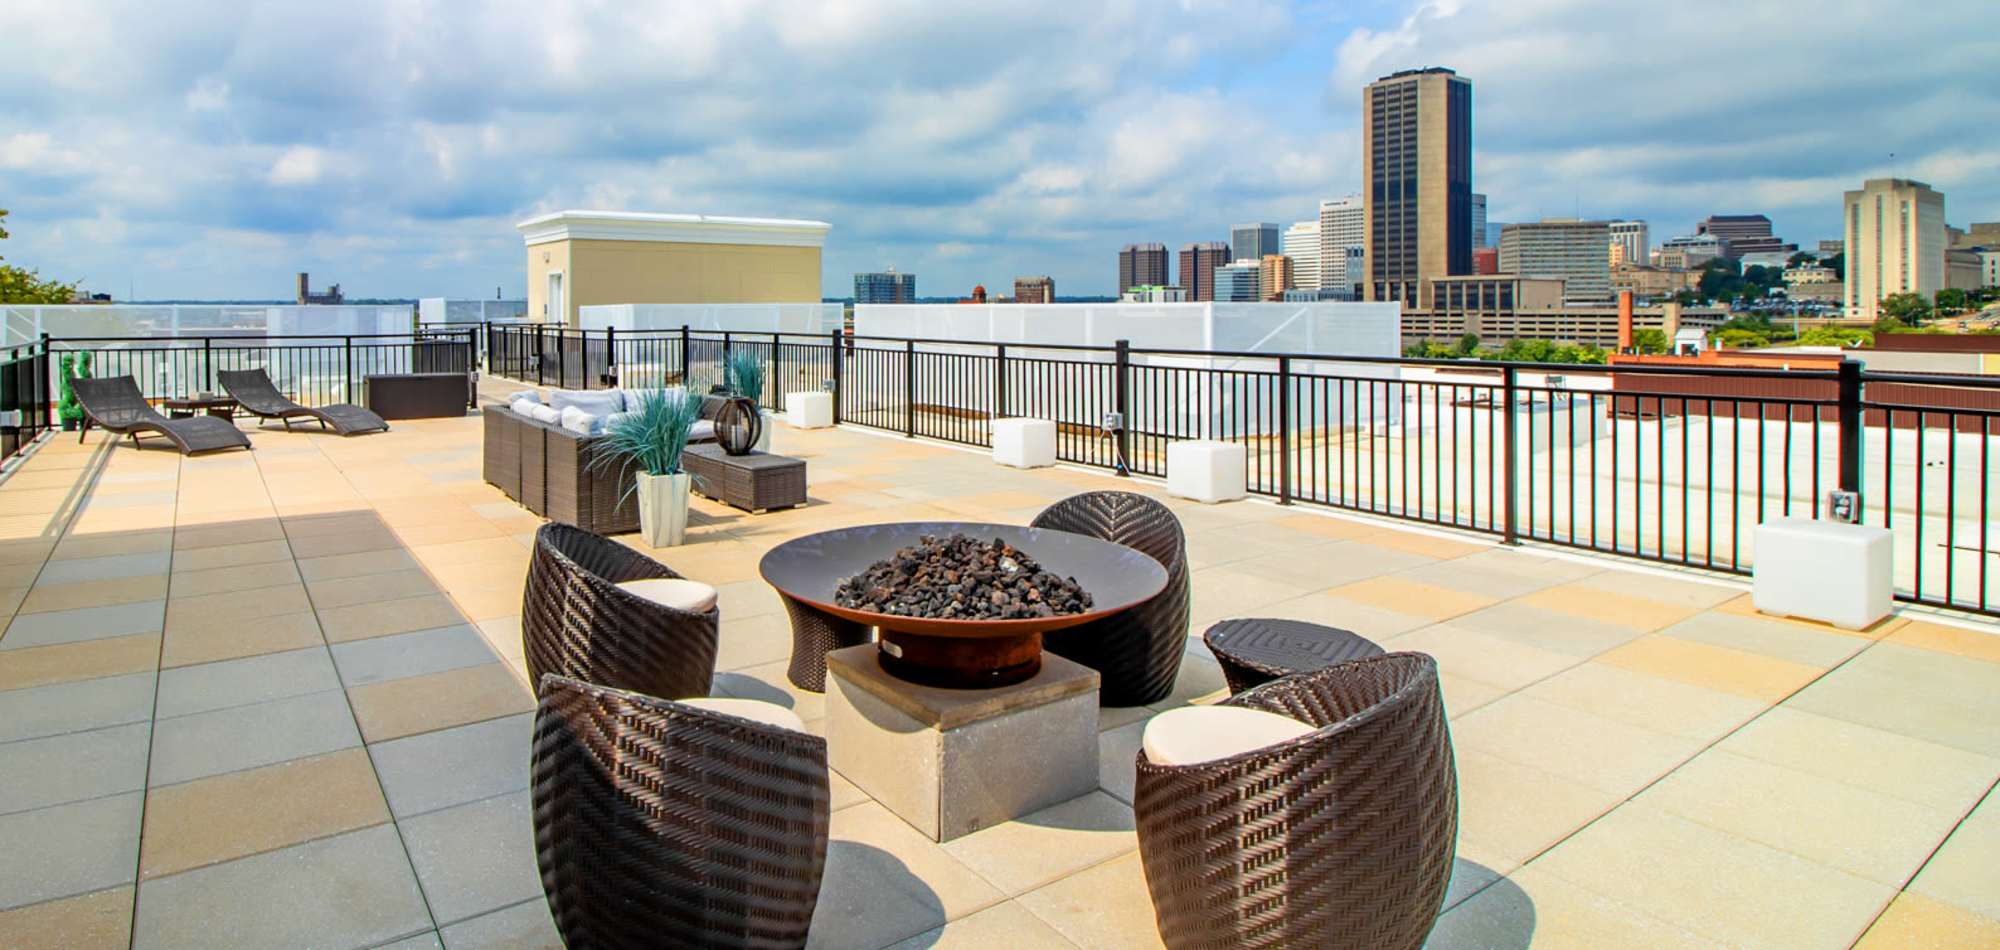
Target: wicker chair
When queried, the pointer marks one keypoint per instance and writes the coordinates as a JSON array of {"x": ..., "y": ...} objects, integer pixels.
[
  {"x": 253, "y": 390},
  {"x": 1340, "y": 838},
  {"x": 815, "y": 633},
  {"x": 662, "y": 825},
  {"x": 1138, "y": 651},
  {"x": 576, "y": 621},
  {"x": 116, "y": 405}
]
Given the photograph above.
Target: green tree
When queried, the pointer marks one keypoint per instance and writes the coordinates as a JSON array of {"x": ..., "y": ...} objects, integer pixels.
[
  {"x": 1836, "y": 336},
  {"x": 1741, "y": 339},
  {"x": 21, "y": 285},
  {"x": 1952, "y": 300},
  {"x": 1839, "y": 264},
  {"x": 1801, "y": 257},
  {"x": 1649, "y": 340},
  {"x": 1909, "y": 309},
  {"x": 1468, "y": 344}
]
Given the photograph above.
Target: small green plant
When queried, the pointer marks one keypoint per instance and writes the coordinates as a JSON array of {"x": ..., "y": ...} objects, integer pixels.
[
  {"x": 68, "y": 408},
  {"x": 744, "y": 374},
  {"x": 652, "y": 436}
]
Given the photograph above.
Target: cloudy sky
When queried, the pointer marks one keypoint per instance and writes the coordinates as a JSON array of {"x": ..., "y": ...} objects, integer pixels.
[{"x": 210, "y": 150}]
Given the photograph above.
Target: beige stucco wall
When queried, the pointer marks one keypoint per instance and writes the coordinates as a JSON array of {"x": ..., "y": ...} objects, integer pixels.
[{"x": 610, "y": 272}]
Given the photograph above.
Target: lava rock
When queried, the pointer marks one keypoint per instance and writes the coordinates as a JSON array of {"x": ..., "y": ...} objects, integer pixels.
[{"x": 962, "y": 578}]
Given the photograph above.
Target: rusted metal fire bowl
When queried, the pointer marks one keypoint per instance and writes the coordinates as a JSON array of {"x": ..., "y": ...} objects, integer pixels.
[{"x": 962, "y": 654}]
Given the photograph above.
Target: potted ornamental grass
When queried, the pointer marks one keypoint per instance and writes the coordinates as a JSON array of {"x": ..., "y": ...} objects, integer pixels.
[
  {"x": 652, "y": 438},
  {"x": 743, "y": 374},
  {"x": 69, "y": 409}
]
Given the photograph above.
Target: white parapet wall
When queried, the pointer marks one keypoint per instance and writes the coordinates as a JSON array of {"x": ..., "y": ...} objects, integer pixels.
[
  {"x": 713, "y": 317},
  {"x": 23, "y": 323}
]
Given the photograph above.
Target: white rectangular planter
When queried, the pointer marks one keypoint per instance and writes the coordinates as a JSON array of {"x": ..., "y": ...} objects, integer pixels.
[
  {"x": 663, "y": 508},
  {"x": 809, "y": 410},
  {"x": 1834, "y": 573},
  {"x": 1206, "y": 471},
  {"x": 1024, "y": 443}
]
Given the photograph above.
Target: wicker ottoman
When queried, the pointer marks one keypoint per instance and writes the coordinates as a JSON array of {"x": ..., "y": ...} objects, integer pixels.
[
  {"x": 1257, "y": 650},
  {"x": 759, "y": 481}
]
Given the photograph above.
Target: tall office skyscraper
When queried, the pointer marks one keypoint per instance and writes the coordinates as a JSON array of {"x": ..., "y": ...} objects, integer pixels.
[
  {"x": 1342, "y": 226},
  {"x": 1198, "y": 263},
  {"x": 1634, "y": 244},
  {"x": 1416, "y": 167},
  {"x": 1895, "y": 243},
  {"x": 885, "y": 287},
  {"x": 1250, "y": 242},
  {"x": 1301, "y": 244},
  {"x": 1142, "y": 265},
  {"x": 1274, "y": 276},
  {"x": 1238, "y": 282},
  {"x": 1478, "y": 220}
]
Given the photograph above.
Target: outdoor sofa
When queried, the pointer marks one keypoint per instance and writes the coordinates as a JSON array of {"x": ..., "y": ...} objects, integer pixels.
[{"x": 554, "y": 470}]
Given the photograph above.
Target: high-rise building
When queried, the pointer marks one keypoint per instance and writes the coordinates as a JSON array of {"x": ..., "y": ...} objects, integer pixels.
[
  {"x": 1633, "y": 243},
  {"x": 1486, "y": 260},
  {"x": 1250, "y": 242},
  {"x": 1689, "y": 251},
  {"x": 1416, "y": 167},
  {"x": 1238, "y": 282},
  {"x": 1142, "y": 265},
  {"x": 885, "y": 287},
  {"x": 1828, "y": 248},
  {"x": 1576, "y": 252},
  {"x": 1198, "y": 263},
  {"x": 1731, "y": 227},
  {"x": 1478, "y": 220},
  {"x": 1343, "y": 225},
  {"x": 1274, "y": 276},
  {"x": 1895, "y": 243},
  {"x": 1039, "y": 289},
  {"x": 331, "y": 295},
  {"x": 1301, "y": 243}
]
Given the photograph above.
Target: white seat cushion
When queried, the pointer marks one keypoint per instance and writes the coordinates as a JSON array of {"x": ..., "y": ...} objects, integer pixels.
[
  {"x": 1196, "y": 734},
  {"x": 702, "y": 429},
  {"x": 580, "y": 422},
  {"x": 676, "y": 592},
  {"x": 597, "y": 402},
  {"x": 548, "y": 414},
  {"x": 755, "y": 710}
]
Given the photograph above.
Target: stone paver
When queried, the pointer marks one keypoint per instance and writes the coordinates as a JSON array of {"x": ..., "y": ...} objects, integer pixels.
[{"x": 278, "y": 697}]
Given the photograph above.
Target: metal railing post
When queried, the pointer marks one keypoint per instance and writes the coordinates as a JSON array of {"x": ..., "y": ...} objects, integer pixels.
[
  {"x": 726, "y": 382},
  {"x": 1000, "y": 381},
  {"x": 838, "y": 362},
  {"x": 1285, "y": 430},
  {"x": 347, "y": 376},
  {"x": 208, "y": 364},
  {"x": 774, "y": 378},
  {"x": 1121, "y": 387},
  {"x": 540, "y": 358},
  {"x": 46, "y": 403},
  {"x": 687, "y": 359},
  {"x": 1850, "y": 428},
  {"x": 610, "y": 356},
  {"x": 909, "y": 389},
  {"x": 1509, "y": 529}
]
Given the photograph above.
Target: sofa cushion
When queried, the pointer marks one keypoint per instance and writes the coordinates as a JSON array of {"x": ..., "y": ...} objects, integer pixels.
[
  {"x": 1195, "y": 734},
  {"x": 755, "y": 710},
  {"x": 541, "y": 413},
  {"x": 580, "y": 422},
  {"x": 679, "y": 593},
  {"x": 702, "y": 430},
  {"x": 597, "y": 402},
  {"x": 520, "y": 407},
  {"x": 614, "y": 419},
  {"x": 527, "y": 394}
]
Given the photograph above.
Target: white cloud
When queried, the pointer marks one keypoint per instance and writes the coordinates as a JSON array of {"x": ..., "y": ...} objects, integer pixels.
[{"x": 298, "y": 165}]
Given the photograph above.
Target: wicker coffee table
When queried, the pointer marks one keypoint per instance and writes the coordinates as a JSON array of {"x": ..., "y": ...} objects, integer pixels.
[
  {"x": 759, "y": 481},
  {"x": 221, "y": 407},
  {"x": 1257, "y": 650}
]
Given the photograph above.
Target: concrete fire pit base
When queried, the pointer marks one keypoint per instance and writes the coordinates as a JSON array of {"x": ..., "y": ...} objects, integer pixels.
[{"x": 953, "y": 761}]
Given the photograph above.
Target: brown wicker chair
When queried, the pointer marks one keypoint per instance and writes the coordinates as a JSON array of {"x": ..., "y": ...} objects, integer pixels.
[
  {"x": 815, "y": 633},
  {"x": 1138, "y": 651},
  {"x": 253, "y": 390},
  {"x": 663, "y": 825},
  {"x": 116, "y": 405},
  {"x": 576, "y": 621},
  {"x": 1341, "y": 838}
]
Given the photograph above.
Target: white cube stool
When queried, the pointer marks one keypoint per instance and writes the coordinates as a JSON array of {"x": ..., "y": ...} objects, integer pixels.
[
  {"x": 809, "y": 410},
  {"x": 1835, "y": 573},
  {"x": 1206, "y": 471},
  {"x": 1024, "y": 443}
]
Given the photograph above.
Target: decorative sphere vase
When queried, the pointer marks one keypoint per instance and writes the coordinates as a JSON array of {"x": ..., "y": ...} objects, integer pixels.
[{"x": 738, "y": 426}]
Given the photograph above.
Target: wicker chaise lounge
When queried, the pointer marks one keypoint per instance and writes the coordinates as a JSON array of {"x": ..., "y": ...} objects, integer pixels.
[
  {"x": 1138, "y": 651},
  {"x": 115, "y": 405},
  {"x": 1342, "y": 837},
  {"x": 253, "y": 390},
  {"x": 576, "y": 620},
  {"x": 665, "y": 824}
]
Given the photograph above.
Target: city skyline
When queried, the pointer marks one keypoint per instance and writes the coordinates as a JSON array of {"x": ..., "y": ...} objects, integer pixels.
[{"x": 226, "y": 154}]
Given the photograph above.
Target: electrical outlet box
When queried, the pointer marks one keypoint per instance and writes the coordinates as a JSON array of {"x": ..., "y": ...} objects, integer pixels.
[
  {"x": 1843, "y": 506},
  {"x": 1113, "y": 422},
  {"x": 11, "y": 419}
]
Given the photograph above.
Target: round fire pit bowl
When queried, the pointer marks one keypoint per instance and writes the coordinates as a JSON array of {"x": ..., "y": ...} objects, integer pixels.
[{"x": 961, "y": 654}]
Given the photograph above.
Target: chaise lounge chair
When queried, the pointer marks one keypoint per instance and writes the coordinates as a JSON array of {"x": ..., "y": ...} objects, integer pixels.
[
  {"x": 116, "y": 405},
  {"x": 253, "y": 390}
]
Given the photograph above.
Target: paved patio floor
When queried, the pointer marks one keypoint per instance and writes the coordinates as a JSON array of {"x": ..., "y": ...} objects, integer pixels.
[{"x": 276, "y": 698}]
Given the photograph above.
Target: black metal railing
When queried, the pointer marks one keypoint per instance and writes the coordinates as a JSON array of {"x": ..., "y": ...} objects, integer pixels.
[
  {"x": 27, "y": 406},
  {"x": 1673, "y": 464},
  {"x": 314, "y": 370}
]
